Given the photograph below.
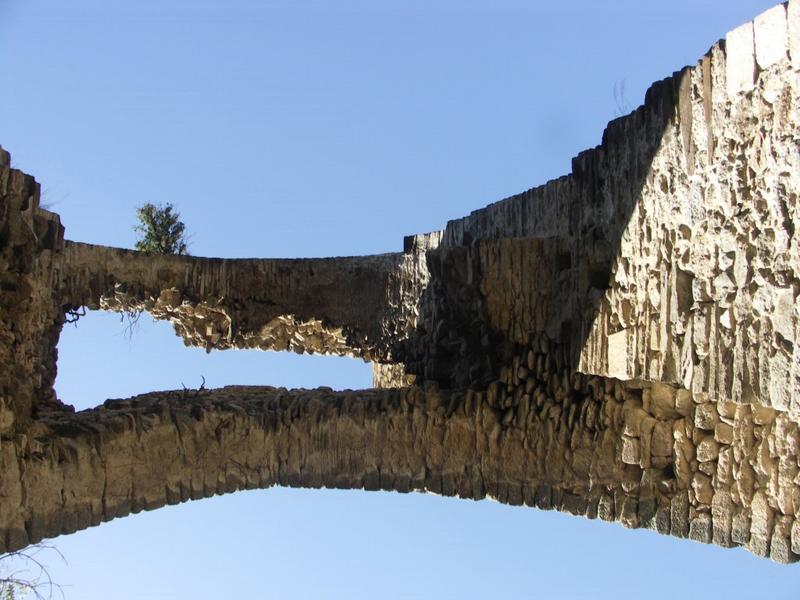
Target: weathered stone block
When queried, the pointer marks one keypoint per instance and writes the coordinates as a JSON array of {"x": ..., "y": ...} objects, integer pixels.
[
  {"x": 662, "y": 439},
  {"x": 683, "y": 402},
  {"x": 592, "y": 507},
  {"x": 780, "y": 546},
  {"x": 725, "y": 467},
  {"x": 634, "y": 418},
  {"x": 763, "y": 415},
  {"x": 740, "y": 529},
  {"x": 761, "y": 524},
  {"x": 663, "y": 520},
  {"x": 700, "y": 528},
  {"x": 617, "y": 352},
  {"x": 703, "y": 491},
  {"x": 605, "y": 508},
  {"x": 662, "y": 401},
  {"x": 707, "y": 449},
  {"x": 703, "y": 325},
  {"x": 647, "y": 513},
  {"x": 793, "y": 27},
  {"x": 740, "y": 59},
  {"x": 631, "y": 452},
  {"x": 705, "y": 416},
  {"x": 629, "y": 513},
  {"x": 679, "y": 515},
  {"x": 771, "y": 38},
  {"x": 722, "y": 518},
  {"x": 723, "y": 433},
  {"x": 544, "y": 497},
  {"x": 574, "y": 504},
  {"x": 726, "y": 410}
]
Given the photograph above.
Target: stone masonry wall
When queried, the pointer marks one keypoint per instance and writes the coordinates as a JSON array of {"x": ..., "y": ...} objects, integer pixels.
[
  {"x": 682, "y": 226},
  {"x": 620, "y": 343},
  {"x": 351, "y": 306},
  {"x": 667, "y": 260},
  {"x": 29, "y": 320},
  {"x": 725, "y": 473}
]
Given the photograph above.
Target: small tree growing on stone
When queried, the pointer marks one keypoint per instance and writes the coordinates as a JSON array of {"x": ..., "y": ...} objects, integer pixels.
[
  {"x": 162, "y": 232},
  {"x": 161, "y": 229}
]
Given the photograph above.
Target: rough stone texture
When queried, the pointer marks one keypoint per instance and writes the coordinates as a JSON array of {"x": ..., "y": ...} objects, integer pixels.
[
  {"x": 669, "y": 254},
  {"x": 347, "y": 306},
  {"x": 620, "y": 343},
  {"x": 30, "y": 322},
  {"x": 84, "y": 468}
]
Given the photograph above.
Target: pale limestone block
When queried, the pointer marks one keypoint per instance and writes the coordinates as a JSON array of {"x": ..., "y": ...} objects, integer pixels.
[
  {"x": 783, "y": 313},
  {"x": 617, "y": 352},
  {"x": 740, "y": 65},
  {"x": 771, "y": 36},
  {"x": 793, "y": 22},
  {"x": 780, "y": 381}
]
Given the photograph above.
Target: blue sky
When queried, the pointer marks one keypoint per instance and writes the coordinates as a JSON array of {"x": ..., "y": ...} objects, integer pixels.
[{"x": 321, "y": 129}]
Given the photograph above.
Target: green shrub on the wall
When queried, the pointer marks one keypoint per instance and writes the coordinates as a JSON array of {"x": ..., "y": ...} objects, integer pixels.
[{"x": 161, "y": 229}]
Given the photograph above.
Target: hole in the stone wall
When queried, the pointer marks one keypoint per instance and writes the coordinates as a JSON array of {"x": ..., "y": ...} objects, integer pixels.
[{"x": 98, "y": 360}]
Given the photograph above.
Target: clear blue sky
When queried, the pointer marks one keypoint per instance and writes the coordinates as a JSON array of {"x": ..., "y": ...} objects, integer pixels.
[{"x": 332, "y": 128}]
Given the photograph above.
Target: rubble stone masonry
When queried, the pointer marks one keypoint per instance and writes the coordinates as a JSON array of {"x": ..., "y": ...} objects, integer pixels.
[{"x": 621, "y": 343}]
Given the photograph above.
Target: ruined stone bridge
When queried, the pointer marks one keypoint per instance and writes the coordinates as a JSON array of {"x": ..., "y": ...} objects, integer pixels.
[{"x": 621, "y": 343}]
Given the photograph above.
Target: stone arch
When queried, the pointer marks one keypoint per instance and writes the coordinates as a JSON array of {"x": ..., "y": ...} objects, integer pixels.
[{"x": 613, "y": 344}]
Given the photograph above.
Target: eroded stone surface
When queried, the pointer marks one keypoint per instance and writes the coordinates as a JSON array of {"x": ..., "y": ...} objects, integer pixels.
[
  {"x": 670, "y": 253},
  {"x": 620, "y": 343},
  {"x": 353, "y": 306}
]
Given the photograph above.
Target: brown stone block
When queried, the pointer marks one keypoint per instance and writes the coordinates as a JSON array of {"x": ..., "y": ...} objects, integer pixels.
[
  {"x": 780, "y": 546},
  {"x": 679, "y": 515},
  {"x": 700, "y": 528}
]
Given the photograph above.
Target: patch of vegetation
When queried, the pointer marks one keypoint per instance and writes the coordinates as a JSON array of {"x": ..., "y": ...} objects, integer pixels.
[{"x": 162, "y": 231}]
